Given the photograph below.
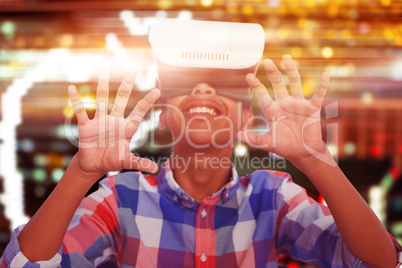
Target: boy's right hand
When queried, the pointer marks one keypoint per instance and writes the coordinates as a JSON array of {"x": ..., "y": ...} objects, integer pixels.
[{"x": 104, "y": 140}]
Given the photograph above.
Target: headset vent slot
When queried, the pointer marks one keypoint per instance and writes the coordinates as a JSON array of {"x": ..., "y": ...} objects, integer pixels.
[{"x": 193, "y": 55}]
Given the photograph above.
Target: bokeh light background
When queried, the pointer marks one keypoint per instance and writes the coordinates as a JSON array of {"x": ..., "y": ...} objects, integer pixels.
[{"x": 47, "y": 45}]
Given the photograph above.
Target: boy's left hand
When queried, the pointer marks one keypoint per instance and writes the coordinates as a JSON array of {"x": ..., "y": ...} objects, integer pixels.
[{"x": 294, "y": 122}]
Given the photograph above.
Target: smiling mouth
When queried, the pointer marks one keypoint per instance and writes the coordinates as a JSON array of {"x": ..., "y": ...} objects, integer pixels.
[
  {"x": 203, "y": 107},
  {"x": 202, "y": 110}
]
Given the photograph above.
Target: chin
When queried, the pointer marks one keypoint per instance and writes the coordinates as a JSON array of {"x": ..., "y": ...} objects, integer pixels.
[{"x": 209, "y": 141}]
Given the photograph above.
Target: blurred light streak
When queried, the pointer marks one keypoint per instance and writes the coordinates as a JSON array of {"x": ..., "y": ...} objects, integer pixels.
[
  {"x": 378, "y": 194},
  {"x": 139, "y": 26},
  {"x": 78, "y": 67},
  {"x": 145, "y": 80},
  {"x": 396, "y": 71},
  {"x": 12, "y": 198},
  {"x": 341, "y": 71},
  {"x": 113, "y": 44},
  {"x": 376, "y": 202}
]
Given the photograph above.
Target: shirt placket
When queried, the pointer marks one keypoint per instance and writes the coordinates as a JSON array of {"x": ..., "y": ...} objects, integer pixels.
[{"x": 205, "y": 236}]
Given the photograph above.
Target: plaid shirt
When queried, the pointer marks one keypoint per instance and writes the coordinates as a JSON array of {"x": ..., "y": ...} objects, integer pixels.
[{"x": 135, "y": 220}]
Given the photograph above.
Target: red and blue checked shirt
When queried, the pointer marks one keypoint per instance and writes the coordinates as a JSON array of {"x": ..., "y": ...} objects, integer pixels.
[{"x": 135, "y": 220}]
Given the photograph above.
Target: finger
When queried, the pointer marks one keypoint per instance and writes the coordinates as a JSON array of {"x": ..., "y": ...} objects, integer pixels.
[
  {"x": 294, "y": 77},
  {"x": 135, "y": 117},
  {"x": 78, "y": 106},
  {"x": 261, "y": 92},
  {"x": 276, "y": 79},
  {"x": 255, "y": 140},
  {"x": 138, "y": 163},
  {"x": 102, "y": 92},
  {"x": 319, "y": 94},
  {"x": 124, "y": 91}
]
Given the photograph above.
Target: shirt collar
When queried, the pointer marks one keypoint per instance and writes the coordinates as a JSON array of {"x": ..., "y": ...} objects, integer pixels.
[{"x": 172, "y": 191}]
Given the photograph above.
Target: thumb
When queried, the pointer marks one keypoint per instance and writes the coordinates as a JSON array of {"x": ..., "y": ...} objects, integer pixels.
[
  {"x": 142, "y": 164},
  {"x": 255, "y": 140}
]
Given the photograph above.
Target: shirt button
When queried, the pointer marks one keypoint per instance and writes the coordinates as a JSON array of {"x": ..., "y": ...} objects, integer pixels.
[
  {"x": 175, "y": 198},
  {"x": 203, "y": 257},
  {"x": 203, "y": 213}
]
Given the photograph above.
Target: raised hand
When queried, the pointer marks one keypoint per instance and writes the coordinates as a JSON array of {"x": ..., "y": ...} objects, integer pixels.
[
  {"x": 104, "y": 140},
  {"x": 294, "y": 122}
]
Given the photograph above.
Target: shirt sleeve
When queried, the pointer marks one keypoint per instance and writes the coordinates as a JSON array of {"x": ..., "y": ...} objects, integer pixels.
[
  {"x": 92, "y": 238},
  {"x": 13, "y": 257},
  {"x": 306, "y": 230}
]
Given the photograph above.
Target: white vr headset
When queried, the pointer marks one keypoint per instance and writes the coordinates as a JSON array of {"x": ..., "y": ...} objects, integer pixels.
[{"x": 187, "y": 52}]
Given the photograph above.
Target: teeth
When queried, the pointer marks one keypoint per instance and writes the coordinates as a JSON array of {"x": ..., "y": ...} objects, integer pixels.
[{"x": 205, "y": 110}]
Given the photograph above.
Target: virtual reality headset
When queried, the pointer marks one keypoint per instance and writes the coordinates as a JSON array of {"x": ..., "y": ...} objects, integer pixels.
[{"x": 188, "y": 52}]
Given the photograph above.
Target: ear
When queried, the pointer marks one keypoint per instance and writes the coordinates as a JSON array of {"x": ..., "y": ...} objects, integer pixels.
[
  {"x": 163, "y": 119},
  {"x": 247, "y": 118}
]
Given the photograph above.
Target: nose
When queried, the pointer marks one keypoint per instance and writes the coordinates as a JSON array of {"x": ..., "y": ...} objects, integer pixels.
[{"x": 203, "y": 89}]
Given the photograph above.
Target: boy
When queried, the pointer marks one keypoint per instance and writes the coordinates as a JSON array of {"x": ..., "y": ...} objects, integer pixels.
[{"x": 202, "y": 214}]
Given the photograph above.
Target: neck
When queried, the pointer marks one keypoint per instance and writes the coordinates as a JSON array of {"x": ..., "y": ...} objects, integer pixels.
[{"x": 201, "y": 172}]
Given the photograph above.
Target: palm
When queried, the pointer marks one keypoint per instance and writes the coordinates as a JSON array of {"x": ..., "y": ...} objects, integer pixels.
[
  {"x": 104, "y": 140},
  {"x": 98, "y": 148},
  {"x": 294, "y": 122},
  {"x": 288, "y": 138}
]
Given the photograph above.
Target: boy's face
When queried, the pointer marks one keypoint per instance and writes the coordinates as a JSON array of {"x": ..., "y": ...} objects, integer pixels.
[{"x": 204, "y": 119}]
